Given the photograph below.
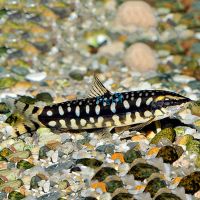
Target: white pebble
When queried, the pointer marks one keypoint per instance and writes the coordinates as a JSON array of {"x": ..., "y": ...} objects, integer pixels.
[
  {"x": 36, "y": 76},
  {"x": 46, "y": 186},
  {"x": 54, "y": 156},
  {"x": 183, "y": 78}
]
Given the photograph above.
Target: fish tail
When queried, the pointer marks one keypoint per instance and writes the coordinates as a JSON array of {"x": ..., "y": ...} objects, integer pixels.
[{"x": 24, "y": 117}]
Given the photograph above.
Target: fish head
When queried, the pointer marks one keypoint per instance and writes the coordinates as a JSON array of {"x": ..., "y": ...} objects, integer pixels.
[{"x": 170, "y": 103}]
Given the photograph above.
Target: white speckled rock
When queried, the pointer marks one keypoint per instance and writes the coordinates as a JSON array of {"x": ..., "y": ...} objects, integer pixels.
[
  {"x": 36, "y": 76},
  {"x": 46, "y": 186},
  {"x": 183, "y": 78},
  {"x": 140, "y": 57},
  {"x": 105, "y": 196},
  {"x": 135, "y": 14},
  {"x": 123, "y": 169},
  {"x": 68, "y": 147},
  {"x": 54, "y": 156}
]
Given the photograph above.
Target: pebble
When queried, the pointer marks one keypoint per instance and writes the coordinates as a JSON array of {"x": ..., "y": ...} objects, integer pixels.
[
  {"x": 20, "y": 70},
  {"x": 194, "y": 85},
  {"x": 183, "y": 78},
  {"x": 7, "y": 82},
  {"x": 68, "y": 148},
  {"x": 77, "y": 75},
  {"x": 4, "y": 108},
  {"x": 44, "y": 96},
  {"x": 36, "y": 77},
  {"x": 50, "y": 196},
  {"x": 108, "y": 148},
  {"x": 167, "y": 133}
]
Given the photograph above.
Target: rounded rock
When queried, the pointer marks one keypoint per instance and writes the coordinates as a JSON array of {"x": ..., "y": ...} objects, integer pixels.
[
  {"x": 140, "y": 57},
  {"x": 136, "y": 14},
  {"x": 36, "y": 77}
]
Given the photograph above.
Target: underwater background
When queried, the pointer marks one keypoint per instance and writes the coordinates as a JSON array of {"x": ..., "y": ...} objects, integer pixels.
[{"x": 49, "y": 52}]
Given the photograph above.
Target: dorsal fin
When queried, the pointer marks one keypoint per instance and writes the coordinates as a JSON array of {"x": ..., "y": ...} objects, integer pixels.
[{"x": 97, "y": 88}]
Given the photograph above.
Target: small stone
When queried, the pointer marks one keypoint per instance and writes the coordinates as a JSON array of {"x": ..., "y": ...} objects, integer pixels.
[
  {"x": 90, "y": 198},
  {"x": 154, "y": 80},
  {"x": 7, "y": 82},
  {"x": 142, "y": 171},
  {"x": 20, "y": 70},
  {"x": 24, "y": 165},
  {"x": 103, "y": 173},
  {"x": 197, "y": 161},
  {"x": 89, "y": 162},
  {"x": 169, "y": 154},
  {"x": 195, "y": 108},
  {"x": 54, "y": 156},
  {"x": 63, "y": 184},
  {"x": 5, "y": 152},
  {"x": 99, "y": 187},
  {"x": 3, "y": 195},
  {"x": 13, "y": 185},
  {"x": 168, "y": 196},
  {"x": 195, "y": 85},
  {"x": 123, "y": 169},
  {"x": 123, "y": 196},
  {"x": 43, "y": 152},
  {"x": 154, "y": 185},
  {"x": 185, "y": 139},
  {"x": 58, "y": 167},
  {"x": 15, "y": 195},
  {"x": 191, "y": 183},
  {"x": 37, "y": 77},
  {"x": 2, "y": 158},
  {"x": 131, "y": 155},
  {"x": 44, "y": 96},
  {"x": 46, "y": 186},
  {"x": 68, "y": 148},
  {"x": 2, "y": 70},
  {"x": 108, "y": 148},
  {"x": 111, "y": 186},
  {"x": 16, "y": 157},
  {"x": 77, "y": 75},
  {"x": 49, "y": 196},
  {"x": 167, "y": 133},
  {"x": 183, "y": 78},
  {"x": 4, "y": 108},
  {"x": 193, "y": 146},
  {"x": 34, "y": 181}
]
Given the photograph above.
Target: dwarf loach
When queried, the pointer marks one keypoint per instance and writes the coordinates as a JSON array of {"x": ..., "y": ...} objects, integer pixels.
[{"x": 101, "y": 109}]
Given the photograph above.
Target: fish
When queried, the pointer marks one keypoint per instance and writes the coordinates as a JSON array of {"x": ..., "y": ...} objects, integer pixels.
[{"x": 100, "y": 109}]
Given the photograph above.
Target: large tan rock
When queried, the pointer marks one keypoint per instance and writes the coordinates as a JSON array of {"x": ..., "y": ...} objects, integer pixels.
[
  {"x": 140, "y": 57},
  {"x": 135, "y": 14}
]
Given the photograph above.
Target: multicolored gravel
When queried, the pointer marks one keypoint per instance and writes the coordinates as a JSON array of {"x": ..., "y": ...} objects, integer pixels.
[{"x": 49, "y": 51}]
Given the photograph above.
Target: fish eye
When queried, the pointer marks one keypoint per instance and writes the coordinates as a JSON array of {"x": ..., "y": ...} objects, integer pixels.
[{"x": 167, "y": 103}]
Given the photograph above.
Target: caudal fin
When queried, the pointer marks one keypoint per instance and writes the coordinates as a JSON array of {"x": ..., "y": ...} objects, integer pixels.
[{"x": 26, "y": 115}]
